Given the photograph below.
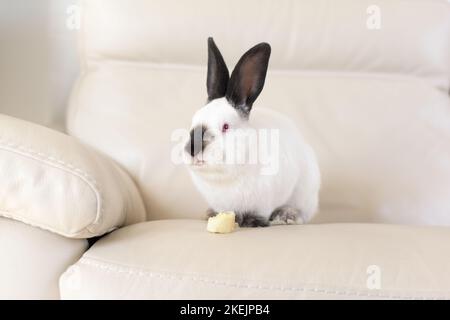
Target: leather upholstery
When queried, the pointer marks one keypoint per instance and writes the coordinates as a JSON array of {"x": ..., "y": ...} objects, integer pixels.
[
  {"x": 32, "y": 260},
  {"x": 178, "y": 259},
  {"x": 374, "y": 104},
  {"x": 52, "y": 181},
  {"x": 305, "y": 35},
  {"x": 381, "y": 141}
]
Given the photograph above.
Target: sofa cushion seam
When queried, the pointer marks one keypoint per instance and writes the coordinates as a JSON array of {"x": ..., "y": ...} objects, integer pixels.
[
  {"x": 121, "y": 269},
  {"x": 62, "y": 165}
]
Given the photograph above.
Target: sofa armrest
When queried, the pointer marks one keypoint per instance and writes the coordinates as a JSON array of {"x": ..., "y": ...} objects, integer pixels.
[
  {"x": 33, "y": 260},
  {"x": 52, "y": 181}
]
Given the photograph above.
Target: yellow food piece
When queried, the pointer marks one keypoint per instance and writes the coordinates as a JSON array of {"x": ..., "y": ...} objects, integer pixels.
[{"x": 223, "y": 222}]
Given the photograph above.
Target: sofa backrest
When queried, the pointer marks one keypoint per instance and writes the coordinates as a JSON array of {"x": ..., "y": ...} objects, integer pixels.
[
  {"x": 367, "y": 85},
  {"x": 305, "y": 35}
]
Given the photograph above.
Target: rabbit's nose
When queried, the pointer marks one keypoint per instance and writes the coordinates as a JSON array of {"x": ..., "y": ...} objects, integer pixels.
[{"x": 196, "y": 144}]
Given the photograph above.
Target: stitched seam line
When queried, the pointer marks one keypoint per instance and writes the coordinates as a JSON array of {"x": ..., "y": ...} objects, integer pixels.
[
  {"x": 440, "y": 86},
  {"x": 67, "y": 167},
  {"x": 120, "y": 62},
  {"x": 38, "y": 224},
  {"x": 128, "y": 271}
]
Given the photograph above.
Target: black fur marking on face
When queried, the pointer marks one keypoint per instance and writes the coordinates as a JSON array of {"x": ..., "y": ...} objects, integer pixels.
[
  {"x": 250, "y": 220},
  {"x": 196, "y": 143}
]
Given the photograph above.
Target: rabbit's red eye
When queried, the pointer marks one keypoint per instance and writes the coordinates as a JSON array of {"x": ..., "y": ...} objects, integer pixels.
[{"x": 225, "y": 127}]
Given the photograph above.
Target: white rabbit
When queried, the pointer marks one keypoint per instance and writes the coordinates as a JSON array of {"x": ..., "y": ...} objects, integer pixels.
[{"x": 289, "y": 193}]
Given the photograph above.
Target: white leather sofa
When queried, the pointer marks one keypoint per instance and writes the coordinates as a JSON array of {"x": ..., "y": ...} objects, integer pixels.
[{"x": 368, "y": 85}]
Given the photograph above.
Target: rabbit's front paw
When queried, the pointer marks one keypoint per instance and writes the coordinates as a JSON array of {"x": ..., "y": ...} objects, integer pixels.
[
  {"x": 286, "y": 215},
  {"x": 250, "y": 220},
  {"x": 210, "y": 213}
]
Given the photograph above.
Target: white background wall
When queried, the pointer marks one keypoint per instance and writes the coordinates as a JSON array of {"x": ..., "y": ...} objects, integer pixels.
[{"x": 38, "y": 62}]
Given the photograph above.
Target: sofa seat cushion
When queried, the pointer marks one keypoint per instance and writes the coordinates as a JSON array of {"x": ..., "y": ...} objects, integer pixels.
[
  {"x": 32, "y": 260},
  {"x": 179, "y": 259}
]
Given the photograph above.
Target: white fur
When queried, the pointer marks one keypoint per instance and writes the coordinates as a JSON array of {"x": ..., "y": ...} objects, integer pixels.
[{"x": 242, "y": 187}]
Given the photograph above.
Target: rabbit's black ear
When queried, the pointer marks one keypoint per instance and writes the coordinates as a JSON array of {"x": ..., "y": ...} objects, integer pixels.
[
  {"x": 247, "y": 79},
  {"x": 218, "y": 76}
]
